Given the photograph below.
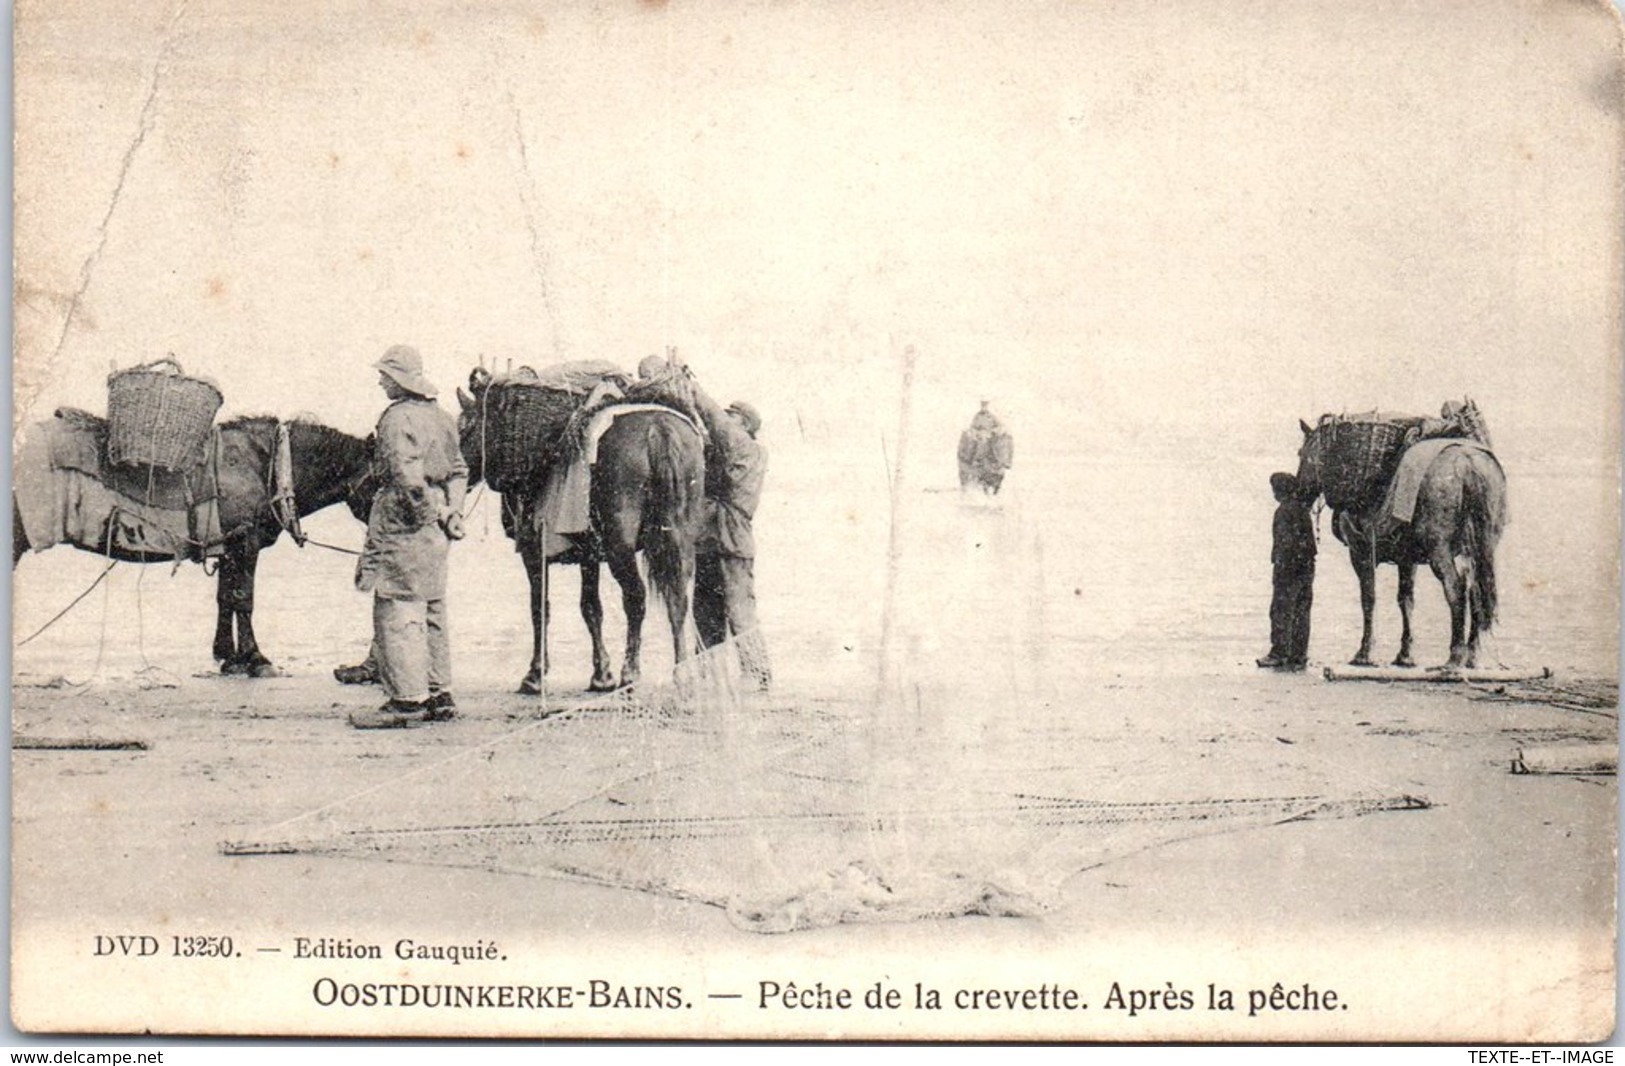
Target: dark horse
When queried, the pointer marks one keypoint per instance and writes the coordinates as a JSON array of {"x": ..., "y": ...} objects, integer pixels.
[
  {"x": 1460, "y": 512},
  {"x": 328, "y": 467},
  {"x": 646, "y": 495}
]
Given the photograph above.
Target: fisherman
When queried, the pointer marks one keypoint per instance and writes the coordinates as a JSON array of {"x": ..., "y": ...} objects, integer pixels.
[
  {"x": 725, "y": 557},
  {"x": 985, "y": 451},
  {"x": 416, "y": 514},
  {"x": 364, "y": 672},
  {"x": 1292, "y": 558}
]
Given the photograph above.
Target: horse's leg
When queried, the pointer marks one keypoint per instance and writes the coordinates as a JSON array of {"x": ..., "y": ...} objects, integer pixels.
[
  {"x": 19, "y": 539},
  {"x": 1470, "y": 660},
  {"x": 676, "y": 579},
  {"x": 592, "y": 613},
  {"x": 249, "y": 656},
  {"x": 225, "y": 643},
  {"x": 228, "y": 594},
  {"x": 710, "y": 600},
  {"x": 1363, "y": 555},
  {"x": 535, "y": 558},
  {"x": 1443, "y": 563},
  {"x": 623, "y": 564},
  {"x": 1407, "y": 600}
]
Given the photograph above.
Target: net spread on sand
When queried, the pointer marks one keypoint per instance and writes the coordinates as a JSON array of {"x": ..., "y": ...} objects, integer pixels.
[{"x": 795, "y": 814}]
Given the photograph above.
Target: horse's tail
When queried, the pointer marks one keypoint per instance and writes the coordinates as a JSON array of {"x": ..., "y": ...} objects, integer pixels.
[
  {"x": 1484, "y": 513},
  {"x": 676, "y": 482}
]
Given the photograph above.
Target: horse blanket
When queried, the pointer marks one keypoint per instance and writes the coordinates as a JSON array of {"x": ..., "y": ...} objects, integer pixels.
[
  {"x": 1406, "y": 485},
  {"x": 68, "y": 493}
]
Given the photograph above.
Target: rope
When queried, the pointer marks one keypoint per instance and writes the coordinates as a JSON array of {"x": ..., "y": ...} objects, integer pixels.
[
  {"x": 485, "y": 459},
  {"x": 1025, "y": 810},
  {"x": 470, "y": 506},
  {"x": 111, "y": 563},
  {"x": 330, "y": 547},
  {"x": 101, "y": 644},
  {"x": 140, "y": 617}
]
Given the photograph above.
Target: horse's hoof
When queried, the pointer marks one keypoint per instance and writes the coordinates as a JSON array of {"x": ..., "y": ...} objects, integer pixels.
[
  {"x": 598, "y": 685},
  {"x": 530, "y": 687},
  {"x": 1361, "y": 660},
  {"x": 234, "y": 668},
  {"x": 265, "y": 670},
  {"x": 1406, "y": 661}
]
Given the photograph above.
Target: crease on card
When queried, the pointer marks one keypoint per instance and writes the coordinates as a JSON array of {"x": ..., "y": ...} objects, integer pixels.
[{"x": 87, "y": 270}]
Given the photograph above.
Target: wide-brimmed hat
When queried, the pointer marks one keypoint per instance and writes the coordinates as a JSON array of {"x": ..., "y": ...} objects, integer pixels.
[
  {"x": 748, "y": 415},
  {"x": 405, "y": 366}
]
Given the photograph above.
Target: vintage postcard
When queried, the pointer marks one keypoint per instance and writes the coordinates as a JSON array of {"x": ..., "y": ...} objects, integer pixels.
[{"x": 894, "y": 520}]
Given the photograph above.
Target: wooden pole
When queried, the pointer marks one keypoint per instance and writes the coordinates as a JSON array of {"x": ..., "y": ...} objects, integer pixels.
[{"x": 1445, "y": 674}]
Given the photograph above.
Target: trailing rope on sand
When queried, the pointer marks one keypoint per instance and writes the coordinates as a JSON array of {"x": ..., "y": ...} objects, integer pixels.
[{"x": 76, "y": 600}]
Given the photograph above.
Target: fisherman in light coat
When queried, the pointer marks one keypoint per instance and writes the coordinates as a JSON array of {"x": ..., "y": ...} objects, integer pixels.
[{"x": 416, "y": 514}]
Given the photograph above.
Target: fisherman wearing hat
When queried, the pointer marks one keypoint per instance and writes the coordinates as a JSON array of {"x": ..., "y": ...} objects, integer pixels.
[
  {"x": 1292, "y": 561},
  {"x": 985, "y": 421},
  {"x": 725, "y": 557},
  {"x": 416, "y": 514}
]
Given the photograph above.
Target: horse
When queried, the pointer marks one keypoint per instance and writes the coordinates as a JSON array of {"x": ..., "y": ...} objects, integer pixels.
[
  {"x": 1455, "y": 528},
  {"x": 328, "y": 467},
  {"x": 646, "y": 495}
]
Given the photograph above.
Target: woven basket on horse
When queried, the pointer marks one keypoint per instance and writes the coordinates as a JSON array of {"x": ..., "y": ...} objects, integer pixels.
[
  {"x": 157, "y": 416},
  {"x": 525, "y": 424},
  {"x": 1360, "y": 458}
]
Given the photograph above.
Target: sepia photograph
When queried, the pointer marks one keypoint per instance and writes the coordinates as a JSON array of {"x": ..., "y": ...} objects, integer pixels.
[{"x": 778, "y": 521}]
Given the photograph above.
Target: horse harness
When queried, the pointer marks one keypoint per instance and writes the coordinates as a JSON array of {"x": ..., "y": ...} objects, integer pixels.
[{"x": 279, "y": 486}]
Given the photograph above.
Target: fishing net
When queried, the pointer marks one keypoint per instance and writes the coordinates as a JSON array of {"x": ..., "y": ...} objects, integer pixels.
[
  {"x": 795, "y": 813},
  {"x": 956, "y": 765}
]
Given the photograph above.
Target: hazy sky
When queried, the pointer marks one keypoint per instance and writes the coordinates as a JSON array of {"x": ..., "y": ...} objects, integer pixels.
[{"x": 1104, "y": 216}]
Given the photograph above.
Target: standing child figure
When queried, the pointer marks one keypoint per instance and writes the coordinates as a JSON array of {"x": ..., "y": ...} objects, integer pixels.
[{"x": 1292, "y": 558}]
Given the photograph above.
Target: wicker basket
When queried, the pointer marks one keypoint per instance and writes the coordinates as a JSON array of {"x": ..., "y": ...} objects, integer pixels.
[
  {"x": 1359, "y": 460},
  {"x": 524, "y": 426},
  {"x": 157, "y": 416}
]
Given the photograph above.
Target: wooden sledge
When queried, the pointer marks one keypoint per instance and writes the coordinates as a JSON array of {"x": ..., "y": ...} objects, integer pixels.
[
  {"x": 1412, "y": 673},
  {"x": 22, "y": 743},
  {"x": 1598, "y": 758}
]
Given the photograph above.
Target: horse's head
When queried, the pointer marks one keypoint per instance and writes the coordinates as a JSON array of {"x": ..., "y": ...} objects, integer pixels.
[
  {"x": 1312, "y": 455},
  {"x": 329, "y": 465},
  {"x": 471, "y": 422}
]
